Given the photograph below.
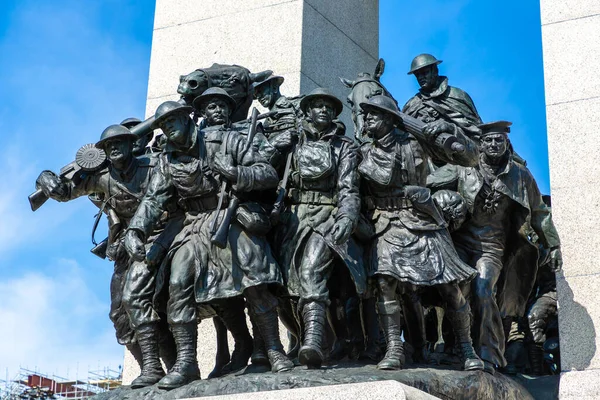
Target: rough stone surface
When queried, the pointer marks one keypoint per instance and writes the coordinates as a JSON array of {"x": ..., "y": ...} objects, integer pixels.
[
  {"x": 579, "y": 322},
  {"x": 442, "y": 383},
  {"x": 556, "y": 11},
  {"x": 571, "y": 59},
  {"x": 325, "y": 45},
  {"x": 569, "y": 71},
  {"x": 242, "y": 38},
  {"x": 575, "y": 129},
  {"x": 386, "y": 390},
  {"x": 580, "y": 385},
  {"x": 577, "y": 227},
  {"x": 167, "y": 15}
]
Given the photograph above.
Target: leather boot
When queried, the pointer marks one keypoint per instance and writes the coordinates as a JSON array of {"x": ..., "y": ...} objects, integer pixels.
[
  {"x": 375, "y": 343},
  {"x": 389, "y": 317},
  {"x": 259, "y": 353},
  {"x": 268, "y": 325},
  {"x": 235, "y": 320},
  {"x": 185, "y": 369},
  {"x": 286, "y": 311},
  {"x": 152, "y": 371},
  {"x": 461, "y": 323},
  {"x": 536, "y": 359},
  {"x": 311, "y": 353}
]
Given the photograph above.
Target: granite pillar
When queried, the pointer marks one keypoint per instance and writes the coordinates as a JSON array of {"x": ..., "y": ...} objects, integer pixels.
[{"x": 571, "y": 48}]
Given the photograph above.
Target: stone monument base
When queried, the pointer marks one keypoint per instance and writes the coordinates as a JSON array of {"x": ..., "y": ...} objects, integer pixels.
[
  {"x": 443, "y": 383},
  {"x": 580, "y": 385}
]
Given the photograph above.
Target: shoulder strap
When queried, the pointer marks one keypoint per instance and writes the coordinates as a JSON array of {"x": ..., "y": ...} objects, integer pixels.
[{"x": 409, "y": 161}]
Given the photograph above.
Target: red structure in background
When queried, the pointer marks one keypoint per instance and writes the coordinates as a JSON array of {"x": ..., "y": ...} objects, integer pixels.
[
  {"x": 64, "y": 389},
  {"x": 34, "y": 385}
]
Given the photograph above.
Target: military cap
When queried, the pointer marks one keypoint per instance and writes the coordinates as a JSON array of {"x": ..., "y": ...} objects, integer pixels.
[
  {"x": 495, "y": 127},
  {"x": 130, "y": 122},
  {"x": 112, "y": 132},
  {"x": 278, "y": 81},
  {"x": 214, "y": 93},
  {"x": 169, "y": 108},
  {"x": 382, "y": 103},
  {"x": 422, "y": 61},
  {"x": 322, "y": 93}
]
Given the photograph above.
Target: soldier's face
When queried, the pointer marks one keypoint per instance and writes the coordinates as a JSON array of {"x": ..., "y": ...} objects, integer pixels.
[
  {"x": 264, "y": 94},
  {"x": 216, "y": 112},
  {"x": 118, "y": 150},
  {"x": 321, "y": 112},
  {"x": 175, "y": 128},
  {"x": 427, "y": 77},
  {"x": 139, "y": 147},
  {"x": 494, "y": 145},
  {"x": 378, "y": 124}
]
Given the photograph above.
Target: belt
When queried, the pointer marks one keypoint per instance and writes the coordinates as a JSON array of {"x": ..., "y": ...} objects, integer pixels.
[
  {"x": 387, "y": 203},
  {"x": 312, "y": 197},
  {"x": 201, "y": 204}
]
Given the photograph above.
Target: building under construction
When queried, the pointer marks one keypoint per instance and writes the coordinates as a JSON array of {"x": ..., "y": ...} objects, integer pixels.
[{"x": 34, "y": 385}]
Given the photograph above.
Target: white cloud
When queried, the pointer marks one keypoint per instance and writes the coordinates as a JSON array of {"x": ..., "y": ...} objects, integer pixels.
[
  {"x": 19, "y": 224},
  {"x": 49, "y": 324}
]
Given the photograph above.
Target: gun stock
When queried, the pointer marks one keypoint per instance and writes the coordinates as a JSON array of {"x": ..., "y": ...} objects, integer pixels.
[
  {"x": 219, "y": 237},
  {"x": 37, "y": 199},
  {"x": 282, "y": 191}
]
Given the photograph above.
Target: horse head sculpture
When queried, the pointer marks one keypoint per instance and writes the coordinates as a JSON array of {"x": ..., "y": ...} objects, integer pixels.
[
  {"x": 234, "y": 79},
  {"x": 363, "y": 88}
]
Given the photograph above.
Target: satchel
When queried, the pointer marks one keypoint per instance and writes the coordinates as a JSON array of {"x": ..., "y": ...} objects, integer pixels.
[{"x": 253, "y": 218}]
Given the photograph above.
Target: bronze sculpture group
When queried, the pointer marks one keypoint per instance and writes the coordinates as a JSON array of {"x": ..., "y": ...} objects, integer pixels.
[{"x": 286, "y": 214}]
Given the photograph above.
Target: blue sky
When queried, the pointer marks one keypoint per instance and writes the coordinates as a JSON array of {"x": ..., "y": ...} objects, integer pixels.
[{"x": 71, "y": 68}]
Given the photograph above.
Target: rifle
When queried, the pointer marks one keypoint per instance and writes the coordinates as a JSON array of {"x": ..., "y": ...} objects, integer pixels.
[
  {"x": 219, "y": 235},
  {"x": 89, "y": 158},
  {"x": 444, "y": 140},
  {"x": 114, "y": 226},
  {"x": 282, "y": 190}
]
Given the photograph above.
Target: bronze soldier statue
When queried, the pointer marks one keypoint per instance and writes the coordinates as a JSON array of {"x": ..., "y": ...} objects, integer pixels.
[
  {"x": 321, "y": 212},
  {"x": 121, "y": 186},
  {"x": 284, "y": 111},
  {"x": 504, "y": 203},
  {"x": 190, "y": 169},
  {"x": 139, "y": 147},
  {"x": 411, "y": 245},
  {"x": 437, "y": 100},
  {"x": 278, "y": 134}
]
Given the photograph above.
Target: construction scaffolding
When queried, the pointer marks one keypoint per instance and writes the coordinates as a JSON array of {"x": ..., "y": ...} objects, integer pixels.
[{"x": 32, "y": 385}]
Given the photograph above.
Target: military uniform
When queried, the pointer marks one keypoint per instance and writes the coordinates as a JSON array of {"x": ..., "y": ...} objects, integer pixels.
[
  {"x": 323, "y": 191},
  {"x": 200, "y": 272},
  {"x": 503, "y": 205},
  {"x": 221, "y": 273},
  {"x": 411, "y": 243},
  {"x": 133, "y": 283},
  {"x": 445, "y": 102}
]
